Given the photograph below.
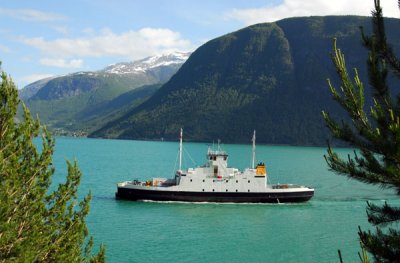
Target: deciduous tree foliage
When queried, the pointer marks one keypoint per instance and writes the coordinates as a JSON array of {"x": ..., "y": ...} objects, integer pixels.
[
  {"x": 375, "y": 133},
  {"x": 37, "y": 225}
]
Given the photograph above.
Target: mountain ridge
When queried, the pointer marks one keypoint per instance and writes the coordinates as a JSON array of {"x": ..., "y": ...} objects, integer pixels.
[
  {"x": 147, "y": 63},
  {"x": 62, "y": 102},
  {"x": 122, "y": 68},
  {"x": 270, "y": 77}
]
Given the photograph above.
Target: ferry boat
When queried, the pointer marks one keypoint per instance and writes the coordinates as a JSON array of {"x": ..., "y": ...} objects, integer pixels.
[{"x": 215, "y": 181}]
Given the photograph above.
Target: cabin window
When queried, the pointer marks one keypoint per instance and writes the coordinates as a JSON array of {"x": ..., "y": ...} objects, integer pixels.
[
  {"x": 248, "y": 181},
  {"x": 227, "y": 180},
  {"x": 237, "y": 181},
  {"x": 204, "y": 180},
  {"x": 236, "y": 190},
  {"x": 213, "y": 190},
  {"x": 191, "y": 180},
  {"x": 248, "y": 190},
  {"x": 227, "y": 190},
  {"x": 213, "y": 181},
  {"x": 203, "y": 190}
]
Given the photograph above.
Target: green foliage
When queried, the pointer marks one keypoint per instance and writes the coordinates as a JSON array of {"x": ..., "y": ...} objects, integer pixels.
[
  {"x": 35, "y": 225},
  {"x": 375, "y": 133}
]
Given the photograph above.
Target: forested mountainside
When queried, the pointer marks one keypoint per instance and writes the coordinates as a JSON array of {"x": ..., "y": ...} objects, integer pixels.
[
  {"x": 85, "y": 101},
  {"x": 269, "y": 77}
]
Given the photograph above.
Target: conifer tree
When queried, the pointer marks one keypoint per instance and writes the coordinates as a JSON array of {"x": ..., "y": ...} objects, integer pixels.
[
  {"x": 37, "y": 225},
  {"x": 375, "y": 133}
]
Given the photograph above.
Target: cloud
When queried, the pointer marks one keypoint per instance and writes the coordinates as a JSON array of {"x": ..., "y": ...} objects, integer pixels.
[
  {"x": 130, "y": 44},
  {"x": 295, "y": 8},
  {"x": 33, "y": 77},
  {"x": 61, "y": 29},
  {"x": 31, "y": 15},
  {"x": 26, "y": 59},
  {"x": 88, "y": 31},
  {"x": 4, "y": 49},
  {"x": 62, "y": 63}
]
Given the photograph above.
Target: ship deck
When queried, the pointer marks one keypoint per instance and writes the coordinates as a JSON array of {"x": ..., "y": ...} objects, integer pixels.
[{"x": 285, "y": 195}]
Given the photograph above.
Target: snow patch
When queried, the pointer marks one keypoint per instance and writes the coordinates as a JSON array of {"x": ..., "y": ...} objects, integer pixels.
[{"x": 149, "y": 63}]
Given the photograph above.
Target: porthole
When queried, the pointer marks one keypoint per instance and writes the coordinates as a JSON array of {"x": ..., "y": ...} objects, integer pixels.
[
  {"x": 236, "y": 190},
  {"x": 227, "y": 190},
  {"x": 248, "y": 190},
  {"x": 237, "y": 181},
  {"x": 203, "y": 190},
  {"x": 227, "y": 180},
  {"x": 213, "y": 190},
  {"x": 248, "y": 181},
  {"x": 204, "y": 180},
  {"x": 191, "y": 180}
]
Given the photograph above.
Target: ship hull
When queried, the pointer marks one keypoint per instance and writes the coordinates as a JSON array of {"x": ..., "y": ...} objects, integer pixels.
[{"x": 219, "y": 197}]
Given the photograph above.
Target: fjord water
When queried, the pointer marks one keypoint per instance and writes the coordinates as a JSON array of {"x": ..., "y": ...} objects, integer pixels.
[{"x": 189, "y": 232}]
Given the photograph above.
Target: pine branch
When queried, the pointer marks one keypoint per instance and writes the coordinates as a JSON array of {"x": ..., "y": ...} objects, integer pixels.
[
  {"x": 351, "y": 169},
  {"x": 382, "y": 215},
  {"x": 376, "y": 136},
  {"x": 385, "y": 247},
  {"x": 35, "y": 225},
  {"x": 385, "y": 50}
]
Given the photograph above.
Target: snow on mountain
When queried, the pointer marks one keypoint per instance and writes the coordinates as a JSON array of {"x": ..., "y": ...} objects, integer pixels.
[
  {"x": 143, "y": 65},
  {"x": 163, "y": 65}
]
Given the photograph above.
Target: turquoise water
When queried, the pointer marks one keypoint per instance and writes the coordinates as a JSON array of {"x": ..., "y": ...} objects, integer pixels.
[{"x": 186, "y": 232}]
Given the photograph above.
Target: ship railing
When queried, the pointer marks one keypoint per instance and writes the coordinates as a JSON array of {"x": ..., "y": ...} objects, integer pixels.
[
  {"x": 217, "y": 152},
  {"x": 137, "y": 182},
  {"x": 286, "y": 186}
]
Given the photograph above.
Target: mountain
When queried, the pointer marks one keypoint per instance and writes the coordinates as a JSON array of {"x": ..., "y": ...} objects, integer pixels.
[
  {"x": 268, "y": 77},
  {"x": 30, "y": 90},
  {"x": 87, "y": 100},
  {"x": 163, "y": 66}
]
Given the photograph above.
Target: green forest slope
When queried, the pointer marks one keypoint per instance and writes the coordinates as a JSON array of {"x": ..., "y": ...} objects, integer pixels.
[{"x": 268, "y": 77}]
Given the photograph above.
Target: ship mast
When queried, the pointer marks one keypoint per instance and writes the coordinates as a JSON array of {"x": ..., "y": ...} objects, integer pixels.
[
  {"x": 254, "y": 149},
  {"x": 180, "y": 150}
]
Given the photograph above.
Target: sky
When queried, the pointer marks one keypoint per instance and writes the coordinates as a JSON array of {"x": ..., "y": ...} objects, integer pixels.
[{"x": 45, "y": 38}]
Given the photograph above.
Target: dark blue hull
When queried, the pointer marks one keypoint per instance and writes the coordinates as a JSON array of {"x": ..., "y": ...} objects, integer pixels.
[{"x": 220, "y": 197}]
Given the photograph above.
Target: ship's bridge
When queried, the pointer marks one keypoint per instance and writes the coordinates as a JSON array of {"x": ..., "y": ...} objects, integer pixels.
[
  {"x": 217, "y": 155},
  {"x": 218, "y": 160}
]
